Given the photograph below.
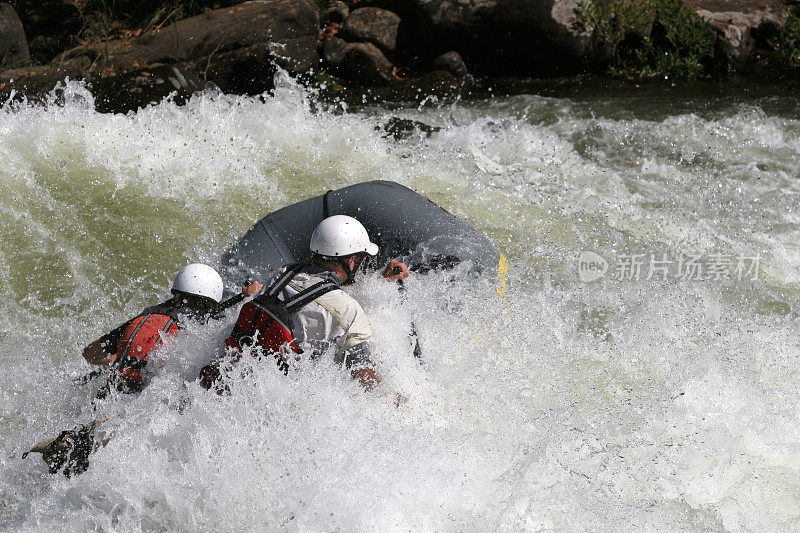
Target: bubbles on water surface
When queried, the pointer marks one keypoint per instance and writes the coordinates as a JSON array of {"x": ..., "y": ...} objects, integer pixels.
[{"x": 604, "y": 405}]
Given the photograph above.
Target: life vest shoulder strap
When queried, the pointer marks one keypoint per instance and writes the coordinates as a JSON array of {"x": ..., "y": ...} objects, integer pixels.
[
  {"x": 124, "y": 354},
  {"x": 308, "y": 295},
  {"x": 301, "y": 299},
  {"x": 277, "y": 310},
  {"x": 283, "y": 280}
]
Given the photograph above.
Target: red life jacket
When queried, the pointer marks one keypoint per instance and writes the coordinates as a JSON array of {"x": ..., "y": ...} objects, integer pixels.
[
  {"x": 142, "y": 334},
  {"x": 265, "y": 320}
]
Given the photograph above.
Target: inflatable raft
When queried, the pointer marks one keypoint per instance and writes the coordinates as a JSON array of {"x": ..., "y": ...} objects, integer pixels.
[{"x": 404, "y": 224}]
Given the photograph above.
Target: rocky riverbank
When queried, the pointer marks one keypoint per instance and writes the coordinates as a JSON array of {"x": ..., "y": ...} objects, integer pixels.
[{"x": 389, "y": 49}]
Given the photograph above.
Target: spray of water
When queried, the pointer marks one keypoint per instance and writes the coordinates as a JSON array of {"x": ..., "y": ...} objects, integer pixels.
[{"x": 617, "y": 404}]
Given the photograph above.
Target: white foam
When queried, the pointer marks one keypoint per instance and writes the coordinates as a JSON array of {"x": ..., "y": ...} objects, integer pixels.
[{"x": 613, "y": 405}]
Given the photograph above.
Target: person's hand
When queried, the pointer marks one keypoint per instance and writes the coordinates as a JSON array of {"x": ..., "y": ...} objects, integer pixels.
[
  {"x": 395, "y": 271},
  {"x": 252, "y": 288}
]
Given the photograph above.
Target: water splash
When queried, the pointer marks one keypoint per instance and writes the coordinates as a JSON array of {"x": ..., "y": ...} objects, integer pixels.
[{"x": 612, "y": 405}]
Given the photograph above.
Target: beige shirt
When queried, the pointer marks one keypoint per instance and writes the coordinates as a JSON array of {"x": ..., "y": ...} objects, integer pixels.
[{"x": 332, "y": 324}]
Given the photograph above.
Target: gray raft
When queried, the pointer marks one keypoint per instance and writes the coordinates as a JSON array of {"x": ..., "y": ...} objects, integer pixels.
[{"x": 404, "y": 224}]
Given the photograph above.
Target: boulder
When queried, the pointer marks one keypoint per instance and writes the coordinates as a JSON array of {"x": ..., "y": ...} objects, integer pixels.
[
  {"x": 13, "y": 44},
  {"x": 140, "y": 88},
  {"x": 373, "y": 25},
  {"x": 439, "y": 85},
  {"x": 50, "y": 25},
  {"x": 280, "y": 24},
  {"x": 250, "y": 70},
  {"x": 334, "y": 50},
  {"x": 740, "y": 25},
  {"x": 496, "y": 37},
  {"x": 366, "y": 66},
  {"x": 451, "y": 62},
  {"x": 404, "y": 128},
  {"x": 337, "y": 12},
  {"x": 35, "y": 82}
]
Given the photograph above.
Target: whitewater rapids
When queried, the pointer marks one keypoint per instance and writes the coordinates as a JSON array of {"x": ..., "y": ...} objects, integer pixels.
[{"x": 614, "y": 404}]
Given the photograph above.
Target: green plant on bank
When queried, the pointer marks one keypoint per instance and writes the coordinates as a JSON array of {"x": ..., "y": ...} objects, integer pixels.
[
  {"x": 647, "y": 38},
  {"x": 789, "y": 40},
  {"x": 106, "y": 19},
  {"x": 8, "y": 62}
]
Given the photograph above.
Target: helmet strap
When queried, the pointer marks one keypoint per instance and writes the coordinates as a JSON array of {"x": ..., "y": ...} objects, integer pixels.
[{"x": 344, "y": 262}]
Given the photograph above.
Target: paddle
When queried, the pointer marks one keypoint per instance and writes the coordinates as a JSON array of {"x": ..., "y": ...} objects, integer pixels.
[{"x": 401, "y": 288}]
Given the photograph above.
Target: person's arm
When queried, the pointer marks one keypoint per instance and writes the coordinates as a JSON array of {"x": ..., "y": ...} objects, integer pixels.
[
  {"x": 357, "y": 360},
  {"x": 248, "y": 290},
  {"x": 103, "y": 351}
]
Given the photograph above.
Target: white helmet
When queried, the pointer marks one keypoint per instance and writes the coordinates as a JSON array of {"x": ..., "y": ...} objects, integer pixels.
[
  {"x": 199, "y": 280},
  {"x": 341, "y": 235}
]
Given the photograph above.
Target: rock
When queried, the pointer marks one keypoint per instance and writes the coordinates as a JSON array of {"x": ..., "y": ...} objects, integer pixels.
[
  {"x": 452, "y": 63},
  {"x": 373, "y": 25},
  {"x": 496, "y": 37},
  {"x": 50, "y": 25},
  {"x": 740, "y": 24},
  {"x": 13, "y": 43},
  {"x": 334, "y": 50},
  {"x": 438, "y": 85},
  {"x": 34, "y": 83},
  {"x": 403, "y": 128},
  {"x": 365, "y": 65},
  {"x": 337, "y": 12},
  {"x": 134, "y": 90},
  {"x": 251, "y": 70},
  {"x": 284, "y": 24}
]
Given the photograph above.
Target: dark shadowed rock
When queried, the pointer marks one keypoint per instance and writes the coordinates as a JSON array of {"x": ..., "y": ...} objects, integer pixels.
[
  {"x": 50, "y": 25},
  {"x": 13, "y": 44},
  {"x": 373, "y": 25},
  {"x": 334, "y": 50},
  {"x": 134, "y": 90},
  {"x": 215, "y": 33},
  {"x": 438, "y": 85},
  {"x": 251, "y": 70},
  {"x": 740, "y": 24},
  {"x": 527, "y": 37},
  {"x": 35, "y": 82},
  {"x": 365, "y": 65},
  {"x": 403, "y": 128},
  {"x": 451, "y": 62},
  {"x": 337, "y": 12}
]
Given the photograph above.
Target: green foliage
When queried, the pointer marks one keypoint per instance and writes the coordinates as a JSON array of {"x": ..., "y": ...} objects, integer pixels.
[
  {"x": 647, "y": 38},
  {"x": 105, "y": 19},
  {"x": 789, "y": 43},
  {"x": 610, "y": 22},
  {"x": 8, "y": 62}
]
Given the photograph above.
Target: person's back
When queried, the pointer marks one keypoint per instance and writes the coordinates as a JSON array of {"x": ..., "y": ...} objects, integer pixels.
[
  {"x": 197, "y": 292},
  {"x": 333, "y": 324},
  {"x": 305, "y": 310},
  {"x": 126, "y": 352}
]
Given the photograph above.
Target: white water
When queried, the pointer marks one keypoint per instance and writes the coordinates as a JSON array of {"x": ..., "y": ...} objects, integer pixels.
[{"x": 612, "y": 405}]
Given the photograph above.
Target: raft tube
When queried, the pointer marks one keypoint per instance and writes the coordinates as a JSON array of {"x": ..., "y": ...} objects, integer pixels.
[{"x": 405, "y": 225}]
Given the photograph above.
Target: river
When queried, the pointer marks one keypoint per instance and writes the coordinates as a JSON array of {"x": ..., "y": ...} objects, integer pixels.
[{"x": 638, "y": 372}]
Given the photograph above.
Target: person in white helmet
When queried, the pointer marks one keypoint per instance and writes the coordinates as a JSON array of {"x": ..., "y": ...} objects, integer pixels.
[
  {"x": 197, "y": 293},
  {"x": 323, "y": 320},
  {"x": 335, "y": 323}
]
